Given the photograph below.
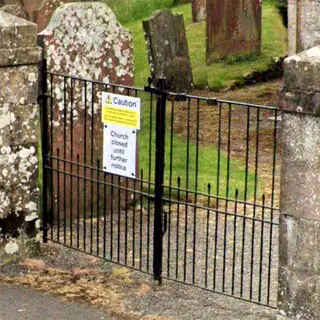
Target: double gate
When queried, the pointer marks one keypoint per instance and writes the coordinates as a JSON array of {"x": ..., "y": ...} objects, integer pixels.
[{"x": 203, "y": 208}]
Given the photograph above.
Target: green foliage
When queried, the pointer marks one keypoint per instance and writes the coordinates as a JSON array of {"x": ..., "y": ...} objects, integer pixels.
[
  {"x": 133, "y": 10},
  {"x": 207, "y": 161}
]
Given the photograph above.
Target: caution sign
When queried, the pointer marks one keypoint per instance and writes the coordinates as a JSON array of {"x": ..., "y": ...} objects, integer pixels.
[
  {"x": 119, "y": 150},
  {"x": 121, "y": 110}
]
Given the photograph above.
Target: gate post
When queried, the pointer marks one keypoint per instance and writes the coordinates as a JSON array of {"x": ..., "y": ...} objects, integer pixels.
[
  {"x": 299, "y": 249},
  {"x": 19, "y": 190},
  {"x": 159, "y": 177}
]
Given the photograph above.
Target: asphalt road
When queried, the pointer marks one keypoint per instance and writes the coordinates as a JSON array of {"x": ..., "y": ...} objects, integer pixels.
[{"x": 21, "y": 303}]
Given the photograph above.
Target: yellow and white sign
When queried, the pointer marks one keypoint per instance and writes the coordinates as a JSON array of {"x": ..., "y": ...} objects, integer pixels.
[
  {"x": 121, "y": 110},
  {"x": 119, "y": 151}
]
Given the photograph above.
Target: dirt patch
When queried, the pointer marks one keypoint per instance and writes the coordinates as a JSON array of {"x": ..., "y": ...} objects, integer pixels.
[{"x": 242, "y": 133}]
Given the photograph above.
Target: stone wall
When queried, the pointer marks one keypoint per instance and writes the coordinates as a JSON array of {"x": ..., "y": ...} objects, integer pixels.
[{"x": 19, "y": 192}]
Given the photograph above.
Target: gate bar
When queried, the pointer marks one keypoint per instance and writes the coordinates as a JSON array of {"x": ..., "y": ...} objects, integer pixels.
[
  {"x": 159, "y": 178},
  {"x": 44, "y": 145}
]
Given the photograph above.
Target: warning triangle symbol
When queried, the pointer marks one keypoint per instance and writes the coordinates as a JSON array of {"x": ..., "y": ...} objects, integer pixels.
[{"x": 109, "y": 101}]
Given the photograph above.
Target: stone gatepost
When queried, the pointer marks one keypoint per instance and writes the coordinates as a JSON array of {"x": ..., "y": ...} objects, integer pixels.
[
  {"x": 19, "y": 192},
  {"x": 299, "y": 270}
]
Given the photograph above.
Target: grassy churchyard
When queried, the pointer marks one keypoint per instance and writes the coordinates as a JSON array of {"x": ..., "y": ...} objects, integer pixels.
[{"x": 218, "y": 76}]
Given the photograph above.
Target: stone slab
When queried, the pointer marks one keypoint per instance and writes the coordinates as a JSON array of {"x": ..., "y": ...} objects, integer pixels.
[
  {"x": 300, "y": 181},
  {"x": 301, "y": 91},
  {"x": 23, "y": 88},
  {"x": 16, "y": 10},
  {"x": 300, "y": 245},
  {"x": 299, "y": 295},
  {"x": 16, "y": 32},
  {"x": 20, "y": 56},
  {"x": 19, "y": 124},
  {"x": 168, "y": 50},
  {"x": 233, "y": 28}
]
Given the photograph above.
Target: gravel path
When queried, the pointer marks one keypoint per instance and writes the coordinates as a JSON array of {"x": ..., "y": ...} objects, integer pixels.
[{"x": 232, "y": 254}]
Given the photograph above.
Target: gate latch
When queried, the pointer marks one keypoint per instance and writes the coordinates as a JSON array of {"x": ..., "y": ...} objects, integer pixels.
[{"x": 166, "y": 211}]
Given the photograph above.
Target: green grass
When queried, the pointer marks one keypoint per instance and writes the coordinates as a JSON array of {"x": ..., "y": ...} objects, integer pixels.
[
  {"x": 218, "y": 75},
  {"x": 207, "y": 162},
  {"x": 134, "y": 10}
]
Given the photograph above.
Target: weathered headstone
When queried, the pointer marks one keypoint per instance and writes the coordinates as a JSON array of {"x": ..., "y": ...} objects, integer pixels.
[
  {"x": 199, "y": 10},
  {"x": 29, "y": 6},
  {"x": 304, "y": 20},
  {"x": 43, "y": 13},
  {"x": 19, "y": 194},
  {"x": 168, "y": 50},
  {"x": 233, "y": 28},
  {"x": 85, "y": 40}
]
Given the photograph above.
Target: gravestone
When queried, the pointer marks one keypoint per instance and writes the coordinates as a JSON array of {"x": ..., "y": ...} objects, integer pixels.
[
  {"x": 303, "y": 25},
  {"x": 199, "y": 10},
  {"x": 43, "y": 13},
  {"x": 168, "y": 50},
  {"x": 233, "y": 28},
  {"x": 85, "y": 40},
  {"x": 29, "y": 6}
]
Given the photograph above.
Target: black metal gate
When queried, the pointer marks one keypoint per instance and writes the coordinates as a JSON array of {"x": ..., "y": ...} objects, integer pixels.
[{"x": 203, "y": 209}]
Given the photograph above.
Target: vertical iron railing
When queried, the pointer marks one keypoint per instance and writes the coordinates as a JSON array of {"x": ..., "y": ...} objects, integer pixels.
[
  {"x": 208, "y": 176},
  {"x": 159, "y": 179},
  {"x": 43, "y": 99}
]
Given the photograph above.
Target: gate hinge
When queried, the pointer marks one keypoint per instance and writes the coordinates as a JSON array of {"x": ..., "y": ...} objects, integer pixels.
[{"x": 41, "y": 97}]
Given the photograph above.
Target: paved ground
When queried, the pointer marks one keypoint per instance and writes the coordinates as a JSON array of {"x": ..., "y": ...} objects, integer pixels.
[
  {"x": 118, "y": 292},
  {"x": 21, "y": 303}
]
